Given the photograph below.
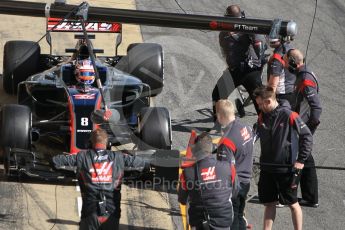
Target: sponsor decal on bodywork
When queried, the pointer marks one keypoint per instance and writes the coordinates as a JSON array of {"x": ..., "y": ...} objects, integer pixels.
[
  {"x": 74, "y": 26},
  {"x": 84, "y": 96}
]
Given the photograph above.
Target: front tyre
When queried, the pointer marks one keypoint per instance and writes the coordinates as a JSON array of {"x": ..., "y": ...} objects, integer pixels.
[
  {"x": 15, "y": 126},
  {"x": 145, "y": 61}
]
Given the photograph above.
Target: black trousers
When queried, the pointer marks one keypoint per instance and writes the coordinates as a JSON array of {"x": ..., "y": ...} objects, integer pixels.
[
  {"x": 250, "y": 78},
  {"x": 308, "y": 182},
  {"x": 238, "y": 205}
]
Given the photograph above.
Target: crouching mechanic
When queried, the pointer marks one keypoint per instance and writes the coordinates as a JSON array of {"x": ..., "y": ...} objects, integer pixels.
[
  {"x": 99, "y": 173},
  {"x": 286, "y": 142},
  {"x": 237, "y": 141},
  {"x": 208, "y": 187}
]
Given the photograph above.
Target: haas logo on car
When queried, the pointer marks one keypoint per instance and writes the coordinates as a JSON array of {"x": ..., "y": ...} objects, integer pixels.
[
  {"x": 208, "y": 173},
  {"x": 62, "y": 25},
  {"x": 84, "y": 96},
  {"x": 103, "y": 173}
]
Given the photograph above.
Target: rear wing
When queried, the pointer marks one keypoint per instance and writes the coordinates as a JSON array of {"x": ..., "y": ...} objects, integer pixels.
[
  {"x": 71, "y": 25},
  {"x": 56, "y": 25}
]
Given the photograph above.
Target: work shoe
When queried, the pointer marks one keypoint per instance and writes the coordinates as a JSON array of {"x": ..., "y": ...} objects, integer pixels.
[
  {"x": 279, "y": 205},
  {"x": 307, "y": 203},
  {"x": 248, "y": 226}
]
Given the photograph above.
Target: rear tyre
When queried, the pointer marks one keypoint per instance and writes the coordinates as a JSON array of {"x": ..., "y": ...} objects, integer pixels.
[
  {"x": 21, "y": 60},
  {"x": 145, "y": 61},
  {"x": 155, "y": 128},
  {"x": 155, "y": 133}
]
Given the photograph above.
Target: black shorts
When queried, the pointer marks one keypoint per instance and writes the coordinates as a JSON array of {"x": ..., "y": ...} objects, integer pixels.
[
  {"x": 93, "y": 222},
  {"x": 276, "y": 187}
]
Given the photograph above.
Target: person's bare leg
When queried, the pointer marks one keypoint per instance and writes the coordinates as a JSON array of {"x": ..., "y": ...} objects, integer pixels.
[
  {"x": 269, "y": 215},
  {"x": 297, "y": 216}
]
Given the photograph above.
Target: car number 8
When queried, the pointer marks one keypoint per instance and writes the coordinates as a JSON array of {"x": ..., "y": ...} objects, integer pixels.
[{"x": 84, "y": 121}]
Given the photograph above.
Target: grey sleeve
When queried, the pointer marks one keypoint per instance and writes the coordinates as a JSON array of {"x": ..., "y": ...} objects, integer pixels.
[
  {"x": 135, "y": 163},
  {"x": 305, "y": 137}
]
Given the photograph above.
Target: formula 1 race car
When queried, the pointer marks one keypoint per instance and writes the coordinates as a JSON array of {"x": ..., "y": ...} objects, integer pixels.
[
  {"x": 58, "y": 94},
  {"x": 61, "y": 99}
]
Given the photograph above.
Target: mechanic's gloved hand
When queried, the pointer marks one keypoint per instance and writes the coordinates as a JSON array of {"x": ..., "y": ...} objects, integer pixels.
[
  {"x": 100, "y": 116},
  {"x": 312, "y": 125},
  {"x": 107, "y": 115}
]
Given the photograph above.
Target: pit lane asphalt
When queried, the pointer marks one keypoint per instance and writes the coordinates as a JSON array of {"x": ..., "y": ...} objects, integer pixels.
[{"x": 193, "y": 64}]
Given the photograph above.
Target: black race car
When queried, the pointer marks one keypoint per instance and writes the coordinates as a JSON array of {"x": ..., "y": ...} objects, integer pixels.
[{"x": 55, "y": 108}]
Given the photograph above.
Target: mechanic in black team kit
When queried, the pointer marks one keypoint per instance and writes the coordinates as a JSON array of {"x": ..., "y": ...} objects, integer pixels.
[
  {"x": 309, "y": 108},
  {"x": 278, "y": 77},
  {"x": 207, "y": 186},
  {"x": 99, "y": 173},
  {"x": 245, "y": 58},
  {"x": 286, "y": 143},
  {"x": 237, "y": 141}
]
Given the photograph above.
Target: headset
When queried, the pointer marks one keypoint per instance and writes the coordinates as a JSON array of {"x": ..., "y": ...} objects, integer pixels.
[{"x": 243, "y": 15}]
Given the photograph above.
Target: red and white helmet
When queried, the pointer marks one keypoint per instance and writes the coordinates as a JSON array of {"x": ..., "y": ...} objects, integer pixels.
[{"x": 84, "y": 72}]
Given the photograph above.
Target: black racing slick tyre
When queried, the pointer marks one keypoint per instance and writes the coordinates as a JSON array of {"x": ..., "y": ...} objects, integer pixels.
[
  {"x": 21, "y": 60},
  {"x": 155, "y": 133},
  {"x": 145, "y": 61},
  {"x": 15, "y": 126},
  {"x": 155, "y": 128}
]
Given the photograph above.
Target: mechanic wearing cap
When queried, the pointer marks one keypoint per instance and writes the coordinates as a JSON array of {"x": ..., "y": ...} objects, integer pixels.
[
  {"x": 99, "y": 173},
  {"x": 245, "y": 58},
  {"x": 237, "y": 141},
  {"x": 285, "y": 141},
  {"x": 278, "y": 77},
  {"x": 208, "y": 187},
  {"x": 308, "y": 106}
]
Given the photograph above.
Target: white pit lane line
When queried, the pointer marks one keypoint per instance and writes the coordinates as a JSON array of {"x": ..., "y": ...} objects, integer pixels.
[
  {"x": 79, "y": 204},
  {"x": 79, "y": 201}
]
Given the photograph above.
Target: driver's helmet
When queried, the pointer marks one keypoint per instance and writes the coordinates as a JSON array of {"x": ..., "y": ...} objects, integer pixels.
[{"x": 84, "y": 72}]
